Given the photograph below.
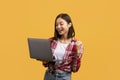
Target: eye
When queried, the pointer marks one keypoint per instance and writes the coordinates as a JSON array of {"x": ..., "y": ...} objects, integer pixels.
[{"x": 61, "y": 24}]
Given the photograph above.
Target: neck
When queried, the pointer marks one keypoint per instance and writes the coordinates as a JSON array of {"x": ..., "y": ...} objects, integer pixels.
[
  {"x": 65, "y": 40},
  {"x": 64, "y": 37}
]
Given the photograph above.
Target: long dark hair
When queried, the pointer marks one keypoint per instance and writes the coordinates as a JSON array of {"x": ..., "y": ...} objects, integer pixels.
[{"x": 66, "y": 17}]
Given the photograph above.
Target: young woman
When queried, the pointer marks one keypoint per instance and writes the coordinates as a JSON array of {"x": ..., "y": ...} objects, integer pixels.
[{"x": 67, "y": 51}]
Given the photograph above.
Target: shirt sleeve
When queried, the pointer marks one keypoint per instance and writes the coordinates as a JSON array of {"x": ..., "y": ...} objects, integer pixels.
[{"x": 76, "y": 61}]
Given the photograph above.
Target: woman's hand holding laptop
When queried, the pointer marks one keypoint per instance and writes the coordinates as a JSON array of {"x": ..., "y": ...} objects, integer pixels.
[{"x": 45, "y": 63}]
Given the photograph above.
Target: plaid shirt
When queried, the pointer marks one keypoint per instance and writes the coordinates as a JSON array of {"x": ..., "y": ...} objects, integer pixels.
[{"x": 71, "y": 61}]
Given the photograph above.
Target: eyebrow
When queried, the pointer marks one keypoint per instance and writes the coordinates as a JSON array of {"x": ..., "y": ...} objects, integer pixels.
[{"x": 59, "y": 22}]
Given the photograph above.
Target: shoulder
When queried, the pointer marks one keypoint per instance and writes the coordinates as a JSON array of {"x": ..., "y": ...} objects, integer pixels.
[
  {"x": 76, "y": 40},
  {"x": 79, "y": 45},
  {"x": 52, "y": 39}
]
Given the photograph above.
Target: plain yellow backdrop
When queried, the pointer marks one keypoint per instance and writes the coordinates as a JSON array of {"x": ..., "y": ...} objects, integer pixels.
[{"x": 96, "y": 23}]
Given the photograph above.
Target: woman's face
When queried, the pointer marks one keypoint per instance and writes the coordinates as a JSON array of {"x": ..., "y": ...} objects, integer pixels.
[{"x": 62, "y": 26}]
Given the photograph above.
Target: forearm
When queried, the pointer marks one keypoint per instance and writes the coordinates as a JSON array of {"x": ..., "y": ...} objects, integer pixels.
[
  {"x": 75, "y": 64},
  {"x": 76, "y": 61}
]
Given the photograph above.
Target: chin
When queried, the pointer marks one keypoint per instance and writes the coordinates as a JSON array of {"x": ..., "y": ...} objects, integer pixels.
[{"x": 61, "y": 34}]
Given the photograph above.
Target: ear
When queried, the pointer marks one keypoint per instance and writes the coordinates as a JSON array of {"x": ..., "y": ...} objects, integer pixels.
[{"x": 69, "y": 25}]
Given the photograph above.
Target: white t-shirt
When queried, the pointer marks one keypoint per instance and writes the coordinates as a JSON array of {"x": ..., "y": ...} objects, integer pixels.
[{"x": 60, "y": 51}]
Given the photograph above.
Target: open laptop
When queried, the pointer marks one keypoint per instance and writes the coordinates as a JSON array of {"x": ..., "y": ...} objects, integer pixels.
[{"x": 40, "y": 49}]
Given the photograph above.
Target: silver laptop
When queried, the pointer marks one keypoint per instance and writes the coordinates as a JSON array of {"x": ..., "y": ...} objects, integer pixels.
[{"x": 40, "y": 49}]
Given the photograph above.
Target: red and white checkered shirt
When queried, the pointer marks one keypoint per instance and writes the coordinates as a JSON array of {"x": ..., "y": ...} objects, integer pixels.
[{"x": 71, "y": 61}]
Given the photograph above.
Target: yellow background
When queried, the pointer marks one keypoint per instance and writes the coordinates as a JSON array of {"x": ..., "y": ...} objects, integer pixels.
[{"x": 97, "y": 25}]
